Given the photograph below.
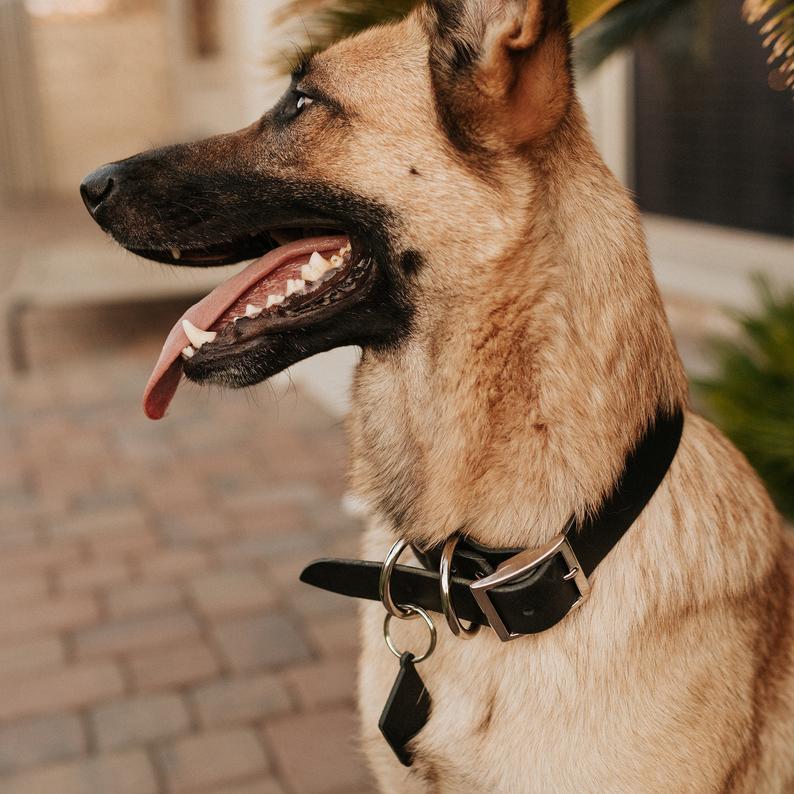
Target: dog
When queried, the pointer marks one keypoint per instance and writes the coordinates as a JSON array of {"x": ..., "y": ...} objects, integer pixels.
[{"x": 428, "y": 190}]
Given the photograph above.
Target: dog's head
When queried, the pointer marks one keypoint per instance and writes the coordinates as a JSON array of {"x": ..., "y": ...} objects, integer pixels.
[{"x": 392, "y": 155}]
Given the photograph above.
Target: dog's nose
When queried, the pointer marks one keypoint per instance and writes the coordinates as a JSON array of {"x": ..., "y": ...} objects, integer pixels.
[{"x": 98, "y": 186}]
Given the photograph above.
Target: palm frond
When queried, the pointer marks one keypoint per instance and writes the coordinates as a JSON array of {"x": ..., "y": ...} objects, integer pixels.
[
  {"x": 777, "y": 28},
  {"x": 622, "y": 26},
  {"x": 751, "y": 394},
  {"x": 585, "y": 13}
]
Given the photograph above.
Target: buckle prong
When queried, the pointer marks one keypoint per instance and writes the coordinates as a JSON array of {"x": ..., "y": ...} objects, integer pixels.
[
  {"x": 520, "y": 566},
  {"x": 571, "y": 574}
]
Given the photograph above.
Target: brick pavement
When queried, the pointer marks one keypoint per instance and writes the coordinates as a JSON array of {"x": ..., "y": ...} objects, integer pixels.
[{"x": 153, "y": 634}]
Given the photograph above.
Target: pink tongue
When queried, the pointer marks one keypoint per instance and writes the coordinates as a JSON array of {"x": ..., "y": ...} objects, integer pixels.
[{"x": 167, "y": 372}]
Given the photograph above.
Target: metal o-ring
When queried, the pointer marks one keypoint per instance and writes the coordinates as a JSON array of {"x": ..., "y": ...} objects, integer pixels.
[
  {"x": 445, "y": 582},
  {"x": 413, "y": 612},
  {"x": 384, "y": 583}
]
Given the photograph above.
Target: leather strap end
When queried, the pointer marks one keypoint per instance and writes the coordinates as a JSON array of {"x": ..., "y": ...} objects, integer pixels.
[{"x": 354, "y": 578}]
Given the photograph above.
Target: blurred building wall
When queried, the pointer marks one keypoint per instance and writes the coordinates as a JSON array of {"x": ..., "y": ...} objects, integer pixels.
[
  {"x": 232, "y": 86},
  {"x": 105, "y": 88},
  {"x": 22, "y": 168},
  {"x": 81, "y": 89}
]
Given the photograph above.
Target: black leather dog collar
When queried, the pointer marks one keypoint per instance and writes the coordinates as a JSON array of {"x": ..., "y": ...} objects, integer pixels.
[{"x": 516, "y": 591}]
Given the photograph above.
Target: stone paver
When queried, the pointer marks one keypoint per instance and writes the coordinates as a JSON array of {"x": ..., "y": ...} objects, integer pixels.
[
  {"x": 40, "y": 557},
  {"x": 172, "y": 564},
  {"x": 119, "y": 773},
  {"x": 240, "y": 699},
  {"x": 25, "y": 657},
  {"x": 139, "y": 720},
  {"x": 336, "y": 636},
  {"x": 132, "y": 634},
  {"x": 143, "y": 597},
  {"x": 228, "y": 592},
  {"x": 268, "y": 640},
  {"x": 30, "y": 588},
  {"x": 154, "y": 638},
  {"x": 211, "y": 758},
  {"x": 92, "y": 576},
  {"x": 56, "y": 614},
  {"x": 69, "y": 688},
  {"x": 333, "y": 764},
  {"x": 262, "y": 785},
  {"x": 323, "y": 683},
  {"x": 173, "y": 667},
  {"x": 40, "y": 741}
]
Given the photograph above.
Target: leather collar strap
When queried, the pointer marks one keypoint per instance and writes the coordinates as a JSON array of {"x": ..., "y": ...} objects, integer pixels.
[{"x": 515, "y": 591}]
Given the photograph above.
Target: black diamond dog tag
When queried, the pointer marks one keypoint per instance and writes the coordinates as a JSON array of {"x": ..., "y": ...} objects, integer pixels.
[{"x": 406, "y": 711}]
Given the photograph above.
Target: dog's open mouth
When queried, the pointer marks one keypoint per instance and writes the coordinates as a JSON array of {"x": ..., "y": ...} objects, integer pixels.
[{"x": 294, "y": 285}]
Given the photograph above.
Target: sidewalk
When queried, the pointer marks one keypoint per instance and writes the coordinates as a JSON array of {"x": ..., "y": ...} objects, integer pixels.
[{"x": 153, "y": 634}]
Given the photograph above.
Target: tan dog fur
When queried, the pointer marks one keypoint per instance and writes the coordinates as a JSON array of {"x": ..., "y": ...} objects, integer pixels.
[
  {"x": 540, "y": 350},
  {"x": 528, "y": 350}
]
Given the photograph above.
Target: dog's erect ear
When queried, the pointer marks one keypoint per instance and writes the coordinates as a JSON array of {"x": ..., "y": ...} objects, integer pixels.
[{"x": 501, "y": 68}]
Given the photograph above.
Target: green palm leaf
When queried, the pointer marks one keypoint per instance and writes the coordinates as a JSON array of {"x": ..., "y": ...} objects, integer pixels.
[
  {"x": 587, "y": 12},
  {"x": 751, "y": 395},
  {"x": 777, "y": 27}
]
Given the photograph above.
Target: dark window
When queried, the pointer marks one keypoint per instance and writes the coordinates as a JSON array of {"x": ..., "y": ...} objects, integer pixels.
[{"x": 714, "y": 141}]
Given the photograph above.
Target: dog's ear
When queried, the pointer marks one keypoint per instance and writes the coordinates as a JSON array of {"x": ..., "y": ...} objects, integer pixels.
[{"x": 501, "y": 69}]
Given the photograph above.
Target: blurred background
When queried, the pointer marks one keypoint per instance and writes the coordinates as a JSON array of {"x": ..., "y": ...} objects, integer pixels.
[{"x": 153, "y": 635}]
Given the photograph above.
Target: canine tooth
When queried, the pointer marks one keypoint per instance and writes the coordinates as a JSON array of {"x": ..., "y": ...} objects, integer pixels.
[
  {"x": 252, "y": 311},
  {"x": 318, "y": 265},
  {"x": 274, "y": 300},
  {"x": 196, "y": 336},
  {"x": 319, "y": 262},
  {"x": 188, "y": 352},
  {"x": 176, "y": 253}
]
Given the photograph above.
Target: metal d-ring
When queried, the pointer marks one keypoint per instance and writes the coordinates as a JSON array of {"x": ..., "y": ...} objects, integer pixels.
[
  {"x": 412, "y": 611},
  {"x": 445, "y": 581},
  {"x": 384, "y": 583}
]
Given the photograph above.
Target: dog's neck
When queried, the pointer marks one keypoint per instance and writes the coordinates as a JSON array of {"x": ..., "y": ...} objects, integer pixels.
[{"x": 514, "y": 403}]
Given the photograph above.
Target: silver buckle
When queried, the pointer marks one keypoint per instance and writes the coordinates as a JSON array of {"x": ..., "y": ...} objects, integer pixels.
[{"x": 519, "y": 566}]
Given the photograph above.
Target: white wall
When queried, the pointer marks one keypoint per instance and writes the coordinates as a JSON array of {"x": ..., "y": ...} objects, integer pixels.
[{"x": 105, "y": 89}]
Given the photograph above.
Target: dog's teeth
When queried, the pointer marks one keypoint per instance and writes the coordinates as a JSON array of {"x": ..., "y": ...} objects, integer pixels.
[
  {"x": 196, "y": 336},
  {"x": 252, "y": 311},
  {"x": 336, "y": 261},
  {"x": 319, "y": 262},
  {"x": 176, "y": 253},
  {"x": 188, "y": 352},
  {"x": 295, "y": 285},
  {"x": 346, "y": 250},
  {"x": 318, "y": 265},
  {"x": 274, "y": 300}
]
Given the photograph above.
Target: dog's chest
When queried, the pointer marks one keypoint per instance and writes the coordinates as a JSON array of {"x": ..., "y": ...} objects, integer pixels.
[{"x": 582, "y": 707}]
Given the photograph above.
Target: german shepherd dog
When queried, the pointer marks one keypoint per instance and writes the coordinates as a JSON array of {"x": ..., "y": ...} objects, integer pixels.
[{"x": 428, "y": 190}]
